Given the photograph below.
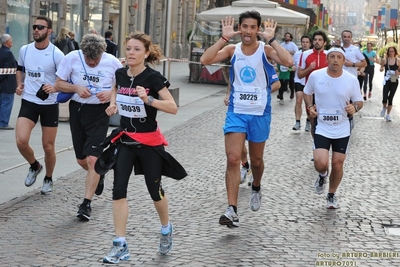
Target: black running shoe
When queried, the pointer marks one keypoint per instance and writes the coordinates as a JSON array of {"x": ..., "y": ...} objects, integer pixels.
[
  {"x": 100, "y": 186},
  {"x": 84, "y": 212}
]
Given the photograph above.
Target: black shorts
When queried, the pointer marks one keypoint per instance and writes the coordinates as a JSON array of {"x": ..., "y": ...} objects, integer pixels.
[
  {"x": 89, "y": 126},
  {"x": 339, "y": 145},
  {"x": 298, "y": 87},
  {"x": 48, "y": 113},
  {"x": 152, "y": 164}
]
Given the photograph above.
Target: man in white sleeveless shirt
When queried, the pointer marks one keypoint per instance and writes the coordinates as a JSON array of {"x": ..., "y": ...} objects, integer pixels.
[{"x": 249, "y": 110}]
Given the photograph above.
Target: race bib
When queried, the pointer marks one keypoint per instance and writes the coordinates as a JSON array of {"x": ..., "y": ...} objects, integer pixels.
[
  {"x": 393, "y": 78},
  {"x": 283, "y": 68},
  {"x": 131, "y": 106},
  {"x": 330, "y": 116},
  {"x": 36, "y": 75},
  {"x": 248, "y": 100},
  {"x": 95, "y": 81}
]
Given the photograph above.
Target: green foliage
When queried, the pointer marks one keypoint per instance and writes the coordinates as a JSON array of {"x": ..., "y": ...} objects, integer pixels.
[{"x": 382, "y": 51}]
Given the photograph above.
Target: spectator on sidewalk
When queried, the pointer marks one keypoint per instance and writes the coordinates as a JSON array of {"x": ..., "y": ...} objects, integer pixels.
[
  {"x": 91, "y": 75},
  {"x": 141, "y": 141},
  {"x": 333, "y": 90},
  {"x": 63, "y": 42},
  {"x": 36, "y": 75},
  {"x": 391, "y": 65},
  {"x": 74, "y": 42},
  {"x": 8, "y": 82},
  {"x": 111, "y": 46},
  {"x": 249, "y": 111}
]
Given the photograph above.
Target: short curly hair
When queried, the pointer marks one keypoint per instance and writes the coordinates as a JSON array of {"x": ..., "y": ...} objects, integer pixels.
[{"x": 93, "y": 46}]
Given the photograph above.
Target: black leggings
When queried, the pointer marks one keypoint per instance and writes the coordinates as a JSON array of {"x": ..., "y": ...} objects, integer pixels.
[
  {"x": 151, "y": 163},
  {"x": 369, "y": 76},
  {"x": 388, "y": 92},
  {"x": 291, "y": 82},
  {"x": 283, "y": 88}
]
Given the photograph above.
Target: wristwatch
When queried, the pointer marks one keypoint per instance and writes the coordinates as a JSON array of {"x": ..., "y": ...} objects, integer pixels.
[
  {"x": 150, "y": 100},
  {"x": 356, "y": 107},
  {"x": 354, "y": 64}
]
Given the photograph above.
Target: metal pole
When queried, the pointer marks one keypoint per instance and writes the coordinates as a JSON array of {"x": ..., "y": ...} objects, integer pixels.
[
  {"x": 122, "y": 25},
  {"x": 147, "y": 21},
  {"x": 167, "y": 39}
]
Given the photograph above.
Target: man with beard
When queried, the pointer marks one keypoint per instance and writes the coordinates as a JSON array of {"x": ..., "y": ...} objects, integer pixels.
[
  {"x": 311, "y": 60},
  {"x": 36, "y": 75},
  {"x": 249, "y": 110}
]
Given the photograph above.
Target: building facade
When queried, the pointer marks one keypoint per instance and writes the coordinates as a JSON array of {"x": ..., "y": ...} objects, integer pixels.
[{"x": 164, "y": 20}]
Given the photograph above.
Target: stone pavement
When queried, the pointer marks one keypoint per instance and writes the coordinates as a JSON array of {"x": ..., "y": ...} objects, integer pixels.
[{"x": 292, "y": 228}]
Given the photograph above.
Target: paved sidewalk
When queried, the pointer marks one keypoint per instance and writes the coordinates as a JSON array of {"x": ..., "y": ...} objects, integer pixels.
[
  {"x": 193, "y": 100},
  {"x": 292, "y": 228}
]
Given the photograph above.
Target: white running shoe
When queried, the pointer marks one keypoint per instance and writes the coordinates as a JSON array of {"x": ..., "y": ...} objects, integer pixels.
[
  {"x": 118, "y": 252},
  {"x": 31, "y": 177},
  {"x": 296, "y": 127},
  {"x": 229, "y": 218},
  {"x": 320, "y": 184},
  {"x": 388, "y": 118},
  {"x": 383, "y": 112},
  {"x": 244, "y": 172},
  {"x": 331, "y": 202},
  {"x": 47, "y": 187},
  {"x": 255, "y": 200}
]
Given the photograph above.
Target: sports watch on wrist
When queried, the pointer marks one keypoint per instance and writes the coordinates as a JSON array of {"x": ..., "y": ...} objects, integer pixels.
[{"x": 150, "y": 100}]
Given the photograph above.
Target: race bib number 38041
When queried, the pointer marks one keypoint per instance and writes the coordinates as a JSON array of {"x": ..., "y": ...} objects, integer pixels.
[{"x": 330, "y": 116}]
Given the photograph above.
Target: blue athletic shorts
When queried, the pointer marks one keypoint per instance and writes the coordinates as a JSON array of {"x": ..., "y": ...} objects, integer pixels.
[{"x": 257, "y": 128}]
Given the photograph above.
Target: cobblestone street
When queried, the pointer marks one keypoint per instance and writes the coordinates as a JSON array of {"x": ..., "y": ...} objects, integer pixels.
[{"x": 292, "y": 228}]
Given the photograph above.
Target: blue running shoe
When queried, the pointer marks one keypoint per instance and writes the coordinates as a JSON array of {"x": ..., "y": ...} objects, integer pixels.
[{"x": 166, "y": 242}]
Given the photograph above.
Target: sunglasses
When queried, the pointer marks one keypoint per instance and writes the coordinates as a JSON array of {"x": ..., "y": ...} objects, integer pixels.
[{"x": 39, "y": 27}]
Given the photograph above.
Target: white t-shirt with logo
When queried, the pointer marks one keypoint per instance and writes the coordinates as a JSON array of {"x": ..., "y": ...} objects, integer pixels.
[
  {"x": 102, "y": 77},
  {"x": 40, "y": 68},
  {"x": 331, "y": 95},
  {"x": 353, "y": 54}
]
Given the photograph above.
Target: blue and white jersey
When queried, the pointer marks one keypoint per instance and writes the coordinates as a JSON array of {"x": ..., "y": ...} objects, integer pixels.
[{"x": 251, "y": 78}]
